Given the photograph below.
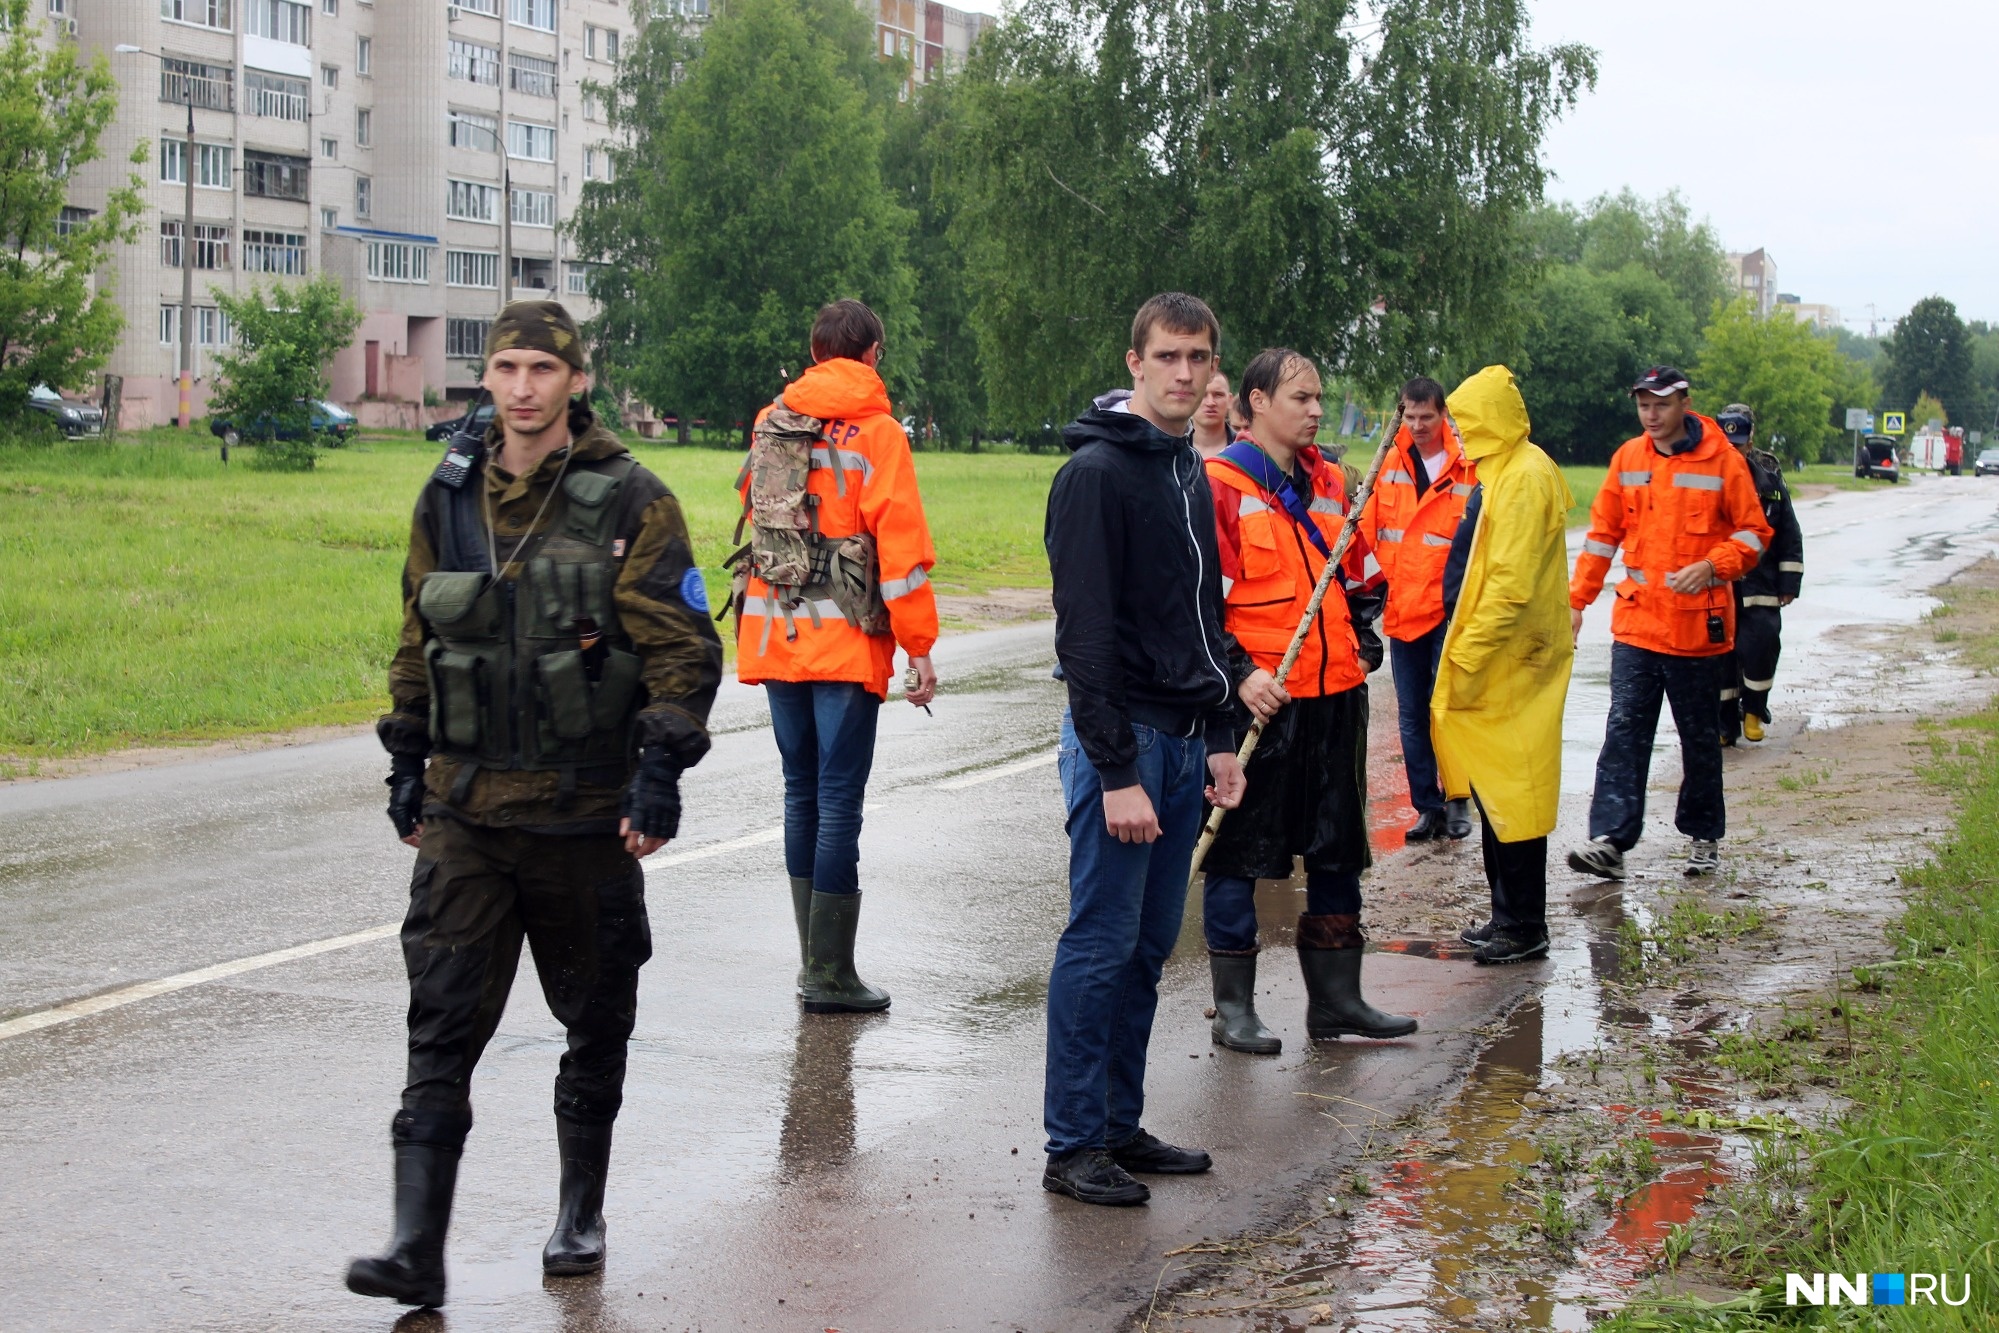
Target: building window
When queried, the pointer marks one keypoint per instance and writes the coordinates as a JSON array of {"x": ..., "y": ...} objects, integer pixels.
[
  {"x": 211, "y": 326},
  {"x": 211, "y": 244},
  {"x": 531, "y": 75},
  {"x": 201, "y": 13},
  {"x": 73, "y": 219},
  {"x": 364, "y": 127},
  {"x": 538, "y": 14},
  {"x": 534, "y": 275},
  {"x": 279, "y": 20},
  {"x": 329, "y": 147},
  {"x": 330, "y": 8},
  {"x": 478, "y": 6},
  {"x": 579, "y": 279},
  {"x": 364, "y": 56},
  {"x": 473, "y": 63},
  {"x": 530, "y": 143},
  {"x": 329, "y": 76},
  {"x": 589, "y": 164},
  {"x": 274, "y": 252},
  {"x": 471, "y": 268},
  {"x": 276, "y": 175},
  {"x": 590, "y": 106},
  {"x": 364, "y": 196},
  {"x": 209, "y": 86},
  {"x": 469, "y": 201},
  {"x": 534, "y": 208},
  {"x": 274, "y": 95},
  {"x": 212, "y": 162},
  {"x": 466, "y": 337},
  {"x": 329, "y": 218},
  {"x": 469, "y": 129},
  {"x": 398, "y": 261},
  {"x": 600, "y": 43}
]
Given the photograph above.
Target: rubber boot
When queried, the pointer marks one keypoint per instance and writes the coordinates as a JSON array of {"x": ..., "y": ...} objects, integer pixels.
[
  {"x": 1329, "y": 952},
  {"x": 801, "y": 908},
  {"x": 577, "y": 1244},
  {"x": 831, "y": 985},
  {"x": 412, "y": 1272},
  {"x": 1236, "y": 1025}
]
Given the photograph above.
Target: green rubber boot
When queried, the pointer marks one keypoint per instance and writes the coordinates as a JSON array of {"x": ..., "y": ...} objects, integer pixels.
[
  {"x": 801, "y": 907},
  {"x": 831, "y": 984}
]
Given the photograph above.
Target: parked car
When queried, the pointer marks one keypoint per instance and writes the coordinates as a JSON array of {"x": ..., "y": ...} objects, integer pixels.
[
  {"x": 72, "y": 419},
  {"x": 1987, "y": 463},
  {"x": 1874, "y": 456},
  {"x": 326, "y": 419},
  {"x": 479, "y": 418}
]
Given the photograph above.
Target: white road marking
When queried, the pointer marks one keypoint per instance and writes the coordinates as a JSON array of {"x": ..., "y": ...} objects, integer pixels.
[{"x": 69, "y": 1012}]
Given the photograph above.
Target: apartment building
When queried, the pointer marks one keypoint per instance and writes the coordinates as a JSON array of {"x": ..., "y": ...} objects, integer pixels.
[
  {"x": 1755, "y": 275},
  {"x": 421, "y": 151}
]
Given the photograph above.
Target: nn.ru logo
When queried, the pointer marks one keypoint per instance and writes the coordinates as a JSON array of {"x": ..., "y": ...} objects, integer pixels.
[{"x": 1882, "y": 1288}]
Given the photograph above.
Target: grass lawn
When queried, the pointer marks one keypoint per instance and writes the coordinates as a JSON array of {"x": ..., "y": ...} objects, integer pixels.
[{"x": 148, "y": 593}]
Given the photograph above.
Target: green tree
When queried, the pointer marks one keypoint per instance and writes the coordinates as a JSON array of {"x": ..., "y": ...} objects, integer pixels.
[
  {"x": 1929, "y": 352},
  {"x": 747, "y": 191},
  {"x": 1660, "y": 236},
  {"x": 1339, "y": 179},
  {"x": 56, "y": 325},
  {"x": 1795, "y": 380},
  {"x": 267, "y": 382},
  {"x": 1982, "y": 403}
]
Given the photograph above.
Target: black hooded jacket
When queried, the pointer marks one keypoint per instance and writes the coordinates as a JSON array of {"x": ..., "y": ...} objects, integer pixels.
[{"x": 1138, "y": 590}]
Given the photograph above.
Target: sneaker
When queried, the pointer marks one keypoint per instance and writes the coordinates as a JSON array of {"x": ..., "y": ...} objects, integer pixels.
[
  {"x": 1478, "y": 934},
  {"x": 1090, "y": 1176},
  {"x": 1143, "y": 1152},
  {"x": 1703, "y": 858},
  {"x": 1512, "y": 946},
  {"x": 1752, "y": 727},
  {"x": 1598, "y": 857}
]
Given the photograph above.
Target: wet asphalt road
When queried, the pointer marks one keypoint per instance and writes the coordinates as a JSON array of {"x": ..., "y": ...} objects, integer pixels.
[{"x": 210, "y": 1157}]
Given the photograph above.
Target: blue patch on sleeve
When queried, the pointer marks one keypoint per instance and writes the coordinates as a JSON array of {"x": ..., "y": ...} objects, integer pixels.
[{"x": 694, "y": 589}]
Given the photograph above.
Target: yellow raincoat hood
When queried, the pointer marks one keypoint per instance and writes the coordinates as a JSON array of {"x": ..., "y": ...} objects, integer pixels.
[{"x": 1496, "y": 716}]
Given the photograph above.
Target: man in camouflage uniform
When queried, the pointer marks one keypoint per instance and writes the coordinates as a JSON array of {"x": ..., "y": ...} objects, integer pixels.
[
  {"x": 553, "y": 680},
  {"x": 1749, "y": 670}
]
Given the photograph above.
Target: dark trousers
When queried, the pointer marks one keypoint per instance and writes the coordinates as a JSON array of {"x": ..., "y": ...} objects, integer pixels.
[
  {"x": 1228, "y": 906},
  {"x": 1414, "y": 666},
  {"x": 1639, "y": 680},
  {"x": 475, "y": 894},
  {"x": 826, "y": 743},
  {"x": 1517, "y": 873},
  {"x": 1750, "y": 669}
]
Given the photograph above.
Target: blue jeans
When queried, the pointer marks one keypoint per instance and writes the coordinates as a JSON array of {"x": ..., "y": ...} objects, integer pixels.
[
  {"x": 1125, "y": 904},
  {"x": 1414, "y": 665},
  {"x": 1228, "y": 906},
  {"x": 826, "y": 742},
  {"x": 1639, "y": 679}
]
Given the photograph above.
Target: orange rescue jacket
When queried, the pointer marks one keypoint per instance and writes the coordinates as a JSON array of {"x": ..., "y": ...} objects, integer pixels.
[
  {"x": 1411, "y": 534},
  {"x": 1668, "y": 512},
  {"x": 1269, "y": 568},
  {"x": 879, "y": 498}
]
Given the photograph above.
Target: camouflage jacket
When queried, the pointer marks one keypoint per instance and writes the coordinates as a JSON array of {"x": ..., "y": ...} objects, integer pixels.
[{"x": 680, "y": 654}]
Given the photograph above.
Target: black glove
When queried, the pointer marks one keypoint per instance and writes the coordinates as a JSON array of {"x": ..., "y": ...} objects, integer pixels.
[
  {"x": 405, "y": 783},
  {"x": 1372, "y": 651},
  {"x": 652, "y": 800}
]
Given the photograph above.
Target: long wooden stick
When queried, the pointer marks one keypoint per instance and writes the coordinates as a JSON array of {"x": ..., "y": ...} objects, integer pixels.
[{"x": 1319, "y": 589}]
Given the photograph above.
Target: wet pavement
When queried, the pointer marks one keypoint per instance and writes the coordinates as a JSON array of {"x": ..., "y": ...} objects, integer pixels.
[{"x": 211, "y": 1156}]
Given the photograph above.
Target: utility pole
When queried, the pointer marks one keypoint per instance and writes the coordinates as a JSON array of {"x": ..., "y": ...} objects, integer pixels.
[{"x": 186, "y": 243}]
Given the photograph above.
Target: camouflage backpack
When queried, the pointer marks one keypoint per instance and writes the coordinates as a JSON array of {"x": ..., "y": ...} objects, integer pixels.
[{"x": 786, "y": 549}]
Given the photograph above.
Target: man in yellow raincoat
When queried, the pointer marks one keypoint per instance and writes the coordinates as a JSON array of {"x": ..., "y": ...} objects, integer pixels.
[{"x": 1496, "y": 716}]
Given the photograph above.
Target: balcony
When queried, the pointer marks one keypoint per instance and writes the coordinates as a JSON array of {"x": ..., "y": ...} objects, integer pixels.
[{"x": 210, "y": 87}]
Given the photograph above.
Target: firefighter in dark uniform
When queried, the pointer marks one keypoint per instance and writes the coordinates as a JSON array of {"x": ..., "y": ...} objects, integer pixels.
[
  {"x": 1748, "y": 672},
  {"x": 553, "y": 680}
]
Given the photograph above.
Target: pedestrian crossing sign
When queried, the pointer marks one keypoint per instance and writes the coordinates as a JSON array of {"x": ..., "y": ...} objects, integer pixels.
[{"x": 1893, "y": 423}]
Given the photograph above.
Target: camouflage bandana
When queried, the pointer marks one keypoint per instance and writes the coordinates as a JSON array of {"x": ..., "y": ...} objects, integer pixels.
[{"x": 537, "y": 326}]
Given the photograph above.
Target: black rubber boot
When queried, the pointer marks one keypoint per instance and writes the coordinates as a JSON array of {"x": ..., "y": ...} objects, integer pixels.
[
  {"x": 1330, "y": 949},
  {"x": 801, "y": 908},
  {"x": 577, "y": 1244},
  {"x": 413, "y": 1270},
  {"x": 831, "y": 984},
  {"x": 1236, "y": 1025}
]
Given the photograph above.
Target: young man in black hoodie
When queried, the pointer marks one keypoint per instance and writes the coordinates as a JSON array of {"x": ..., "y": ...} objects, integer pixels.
[{"x": 1138, "y": 600}]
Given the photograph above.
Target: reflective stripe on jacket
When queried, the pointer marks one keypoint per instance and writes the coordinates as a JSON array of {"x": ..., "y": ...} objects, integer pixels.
[
  {"x": 874, "y": 491},
  {"x": 1666, "y": 512},
  {"x": 1269, "y": 568},
  {"x": 1411, "y": 534}
]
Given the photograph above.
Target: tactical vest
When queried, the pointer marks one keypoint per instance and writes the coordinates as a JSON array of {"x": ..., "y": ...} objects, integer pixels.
[{"x": 515, "y": 682}]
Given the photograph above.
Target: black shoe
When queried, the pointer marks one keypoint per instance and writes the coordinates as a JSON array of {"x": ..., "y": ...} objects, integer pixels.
[
  {"x": 1143, "y": 1152},
  {"x": 1512, "y": 946},
  {"x": 1090, "y": 1176},
  {"x": 412, "y": 1272},
  {"x": 1457, "y": 820},
  {"x": 1477, "y": 934},
  {"x": 1429, "y": 826},
  {"x": 577, "y": 1244}
]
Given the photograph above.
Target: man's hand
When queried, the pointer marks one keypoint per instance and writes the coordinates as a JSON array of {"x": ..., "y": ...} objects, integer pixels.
[
  {"x": 1262, "y": 695},
  {"x": 405, "y": 783},
  {"x": 1129, "y": 816},
  {"x": 1575, "y": 623},
  {"x": 1694, "y": 578},
  {"x": 639, "y": 844},
  {"x": 1225, "y": 792},
  {"x": 926, "y": 681},
  {"x": 652, "y": 803},
  {"x": 1787, "y": 599}
]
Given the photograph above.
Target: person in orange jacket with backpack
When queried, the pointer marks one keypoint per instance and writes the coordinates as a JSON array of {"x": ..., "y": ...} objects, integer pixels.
[
  {"x": 1411, "y": 516},
  {"x": 824, "y": 649},
  {"x": 1680, "y": 501}
]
